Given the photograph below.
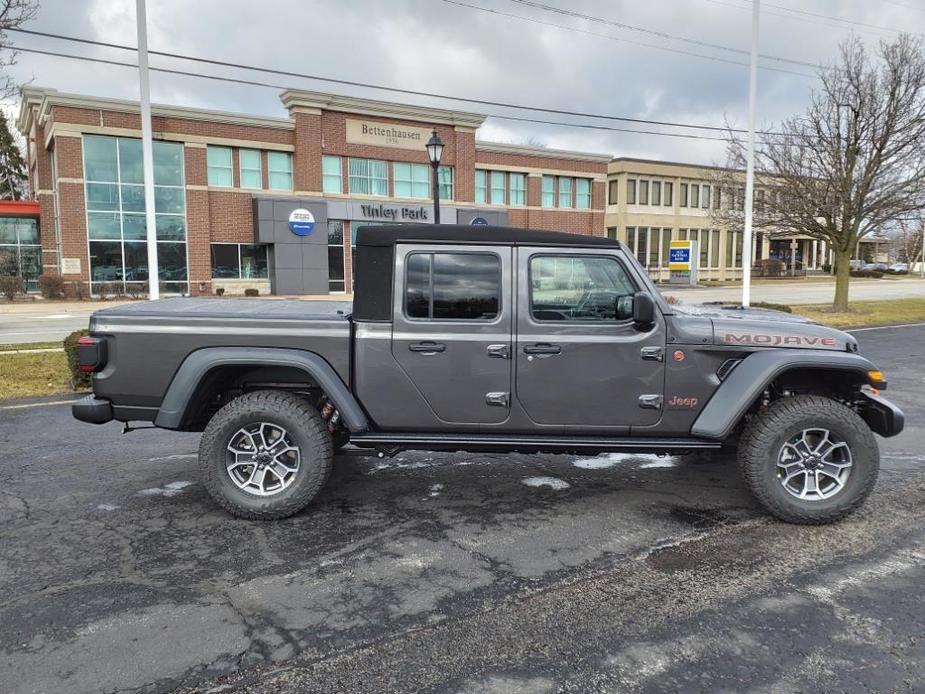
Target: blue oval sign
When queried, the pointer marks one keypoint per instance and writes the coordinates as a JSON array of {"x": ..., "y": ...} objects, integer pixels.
[
  {"x": 479, "y": 222},
  {"x": 301, "y": 222}
]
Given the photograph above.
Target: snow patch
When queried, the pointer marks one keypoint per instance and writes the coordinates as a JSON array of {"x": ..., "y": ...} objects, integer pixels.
[
  {"x": 435, "y": 489},
  {"x": 664, "y": 462},
  {"x": 551, "y": 482},
  {"x": 608, "y": 460},
  {"x": 175, "y": 456},
  {"x": 106, "y": 507},
  {"x": 169, "y": 489}
]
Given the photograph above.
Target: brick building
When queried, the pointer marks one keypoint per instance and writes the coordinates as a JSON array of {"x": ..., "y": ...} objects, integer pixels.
[{"x": 227, "y": 186}]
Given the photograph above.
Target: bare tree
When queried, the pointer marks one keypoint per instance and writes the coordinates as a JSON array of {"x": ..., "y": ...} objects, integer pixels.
[
  {"x": 852, "y": 164},
  {"x": 13, "y": 14},
  {"x": 908, "y": 237}
]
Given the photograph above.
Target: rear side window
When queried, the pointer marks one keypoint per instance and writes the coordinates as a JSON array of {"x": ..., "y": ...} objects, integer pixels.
[
  {"x": 452, "y": 286},
  {"x": 579, "y": 288}
]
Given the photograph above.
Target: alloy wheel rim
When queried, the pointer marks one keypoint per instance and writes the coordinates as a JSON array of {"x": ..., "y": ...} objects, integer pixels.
[
  {"x": 262, "y": 459},
  {"x": 814, "y": 465}
]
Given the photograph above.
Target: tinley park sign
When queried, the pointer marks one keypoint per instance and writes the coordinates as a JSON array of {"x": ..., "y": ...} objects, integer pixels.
[
  {"x": 366, "y": 132},
  {"x": 393, "y": 213}
]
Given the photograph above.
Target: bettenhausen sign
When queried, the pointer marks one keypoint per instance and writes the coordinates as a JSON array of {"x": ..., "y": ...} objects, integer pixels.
[{"x": 367, "y": 132}]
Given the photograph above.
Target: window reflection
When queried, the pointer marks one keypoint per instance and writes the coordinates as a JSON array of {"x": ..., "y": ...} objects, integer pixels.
[{"x": 116, "y": 223}]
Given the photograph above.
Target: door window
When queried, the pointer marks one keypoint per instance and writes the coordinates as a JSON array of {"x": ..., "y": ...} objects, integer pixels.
[
  {"x": 452, "y": 286},
  {"x": 579, "y": 288}
]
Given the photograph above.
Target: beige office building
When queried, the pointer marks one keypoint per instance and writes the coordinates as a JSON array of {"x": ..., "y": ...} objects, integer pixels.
[{"x": 650, "y": 203}]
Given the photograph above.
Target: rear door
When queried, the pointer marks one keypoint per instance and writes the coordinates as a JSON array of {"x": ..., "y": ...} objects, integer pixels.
[
  {"x": 580, "y": 360},
  {"x": 453, "y": 308}
]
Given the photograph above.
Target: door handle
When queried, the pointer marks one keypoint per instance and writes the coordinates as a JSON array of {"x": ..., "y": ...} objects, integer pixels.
[
  {"x": 499, "y": 351},
  {"x": 542, "y": 348},
  {"x": 427, "y": 347}
]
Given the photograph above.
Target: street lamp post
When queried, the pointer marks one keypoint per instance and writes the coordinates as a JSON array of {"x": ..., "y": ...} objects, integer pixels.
[{"x": 434, "y": 149}]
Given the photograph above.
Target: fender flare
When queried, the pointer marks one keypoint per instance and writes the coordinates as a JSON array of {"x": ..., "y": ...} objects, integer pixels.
[
  {"x": 746, "y": 381},
  {"x": 199, "y": 363}
]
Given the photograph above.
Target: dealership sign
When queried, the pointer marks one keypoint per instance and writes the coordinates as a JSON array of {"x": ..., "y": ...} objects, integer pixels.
[
  {"x": 370, "y": 132},
  {"x": 301, "y": 222},
  {"x": 682, "y": 262}
]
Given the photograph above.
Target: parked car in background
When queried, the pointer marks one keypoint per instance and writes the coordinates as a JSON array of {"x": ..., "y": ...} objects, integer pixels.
[{"x": 899, "y": 268}]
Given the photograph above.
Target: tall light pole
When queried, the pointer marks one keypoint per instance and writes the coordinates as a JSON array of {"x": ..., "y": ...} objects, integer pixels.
[
  {"x": 147, "y": 149},
  {"x": 434, "y": 149},
  {"x": 750, "y": 166}
]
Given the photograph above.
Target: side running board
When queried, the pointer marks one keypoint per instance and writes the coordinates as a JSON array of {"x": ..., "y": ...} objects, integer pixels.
[{"x": 393, "y": 442}]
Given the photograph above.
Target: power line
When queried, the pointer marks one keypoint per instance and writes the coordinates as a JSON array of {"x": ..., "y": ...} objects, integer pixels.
[
  {"x": 841, "y": 20},
  {"x": 255, "y": 83},
  {"x": 654, "y": 32},
  {"x": 642, "y": 44},
  {"x": 286, "y": 73},
  {"x": 764, "y": 11}
]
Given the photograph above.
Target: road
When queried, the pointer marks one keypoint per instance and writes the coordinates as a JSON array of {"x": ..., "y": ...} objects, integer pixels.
[
  {"x": 452, "y": 572},
  {"x": 40, "y": 326},
  {"x": 806, "y": 292},
  {"x": 19, "y": 328}
]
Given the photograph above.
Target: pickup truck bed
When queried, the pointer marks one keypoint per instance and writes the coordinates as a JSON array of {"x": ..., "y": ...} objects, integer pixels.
[{"x": 148, "y": 341}]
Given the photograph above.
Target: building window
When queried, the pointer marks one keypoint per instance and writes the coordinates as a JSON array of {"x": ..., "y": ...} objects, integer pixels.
[
  {"x": 445, "y": 182},
  {"x": 411, "y": 180},
  {"x": 631, "y": 191},
  {"x": 368, "y": 176},
  {"x": 666, "y": 246},
  {"x": 219, "y": 168},
  {"x": 336, "y": 281},
  {"x": 331, "y": 179},
  {"x": 583, "y": 193},
  {"x": 518, "y": 189},
  {"x": 549, "y": 191},
  {"x": 714, "y": 248},
  {"x": 21, "y": 250},
  {"x": 481, "y": 186},
  {"x": 497, "y": 187},
  {"x": 565, "y": 191},
  {"x": 717, "y": 198},
  {"x": 452, "y": 286},
  {"x": 643, "y": 193},
  {"x": 240, "y": 261},
  {"x": 705, "y": 198},
  {"x": 251, "y": 172},
  {"x": 668, "y": 189},
  {"x": 612, "y": 232},
  {"x": 116, "y": 224},
  {"x": 683, "y": 195},
  {"x": 279, "y": 166},
  {"x": 695, "y": 195},
  {"x": 656, "y": 192},
  {"x": 612, "y": 189}
]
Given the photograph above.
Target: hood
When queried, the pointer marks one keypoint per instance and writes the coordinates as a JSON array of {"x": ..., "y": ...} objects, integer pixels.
[{"x": 759, "y": 327}]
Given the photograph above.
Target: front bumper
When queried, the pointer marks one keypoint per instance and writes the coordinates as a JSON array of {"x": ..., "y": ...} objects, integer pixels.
[
  {"x": 93, "y": 410},
  {"x": 882, "y": 416}
]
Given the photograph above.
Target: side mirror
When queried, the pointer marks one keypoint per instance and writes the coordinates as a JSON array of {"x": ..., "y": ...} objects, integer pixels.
[{"x": 643, "y": 309}]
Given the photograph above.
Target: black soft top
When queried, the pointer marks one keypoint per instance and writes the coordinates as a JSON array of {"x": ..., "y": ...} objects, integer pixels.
[{"x": 390, "y": 234}]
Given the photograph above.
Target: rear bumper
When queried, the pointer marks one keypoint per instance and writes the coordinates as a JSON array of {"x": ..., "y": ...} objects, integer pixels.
[
  {"x": 93, "y": 410},
  {"x": 882, "y": 416}
]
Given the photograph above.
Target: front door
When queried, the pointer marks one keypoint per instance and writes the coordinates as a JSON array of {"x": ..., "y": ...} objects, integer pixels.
[
  {"x": 580, "y": 360},
  {"x": 452, "y": 329}
]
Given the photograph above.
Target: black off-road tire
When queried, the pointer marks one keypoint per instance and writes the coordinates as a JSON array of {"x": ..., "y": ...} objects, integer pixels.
[
  {"x": 305, "y": 426},
  {"x": 773, "y": 426}
]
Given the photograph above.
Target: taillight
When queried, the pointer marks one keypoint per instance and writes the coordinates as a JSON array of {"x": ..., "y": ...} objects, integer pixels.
[{"x": 91, "y": 354}]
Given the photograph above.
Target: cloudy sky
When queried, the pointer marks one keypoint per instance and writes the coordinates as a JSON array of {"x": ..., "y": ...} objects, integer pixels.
[{"x": 667, "y": 60}]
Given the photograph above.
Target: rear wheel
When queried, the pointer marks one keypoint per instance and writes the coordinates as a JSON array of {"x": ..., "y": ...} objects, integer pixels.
[
  {"x": 809, "y": 459},
  {"x": 265, "y": 455}
]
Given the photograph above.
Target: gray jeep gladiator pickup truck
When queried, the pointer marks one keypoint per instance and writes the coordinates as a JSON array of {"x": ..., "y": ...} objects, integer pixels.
[{"x": 492, "y": 339}]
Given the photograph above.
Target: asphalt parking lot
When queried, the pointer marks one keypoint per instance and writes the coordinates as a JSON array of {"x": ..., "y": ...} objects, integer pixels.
[{"x": 452, "y": 572}]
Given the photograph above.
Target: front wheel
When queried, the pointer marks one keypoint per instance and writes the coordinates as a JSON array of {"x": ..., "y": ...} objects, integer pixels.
[
  {"x": 809, "y": 459},
  {"x": 265, "y": 455}
]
